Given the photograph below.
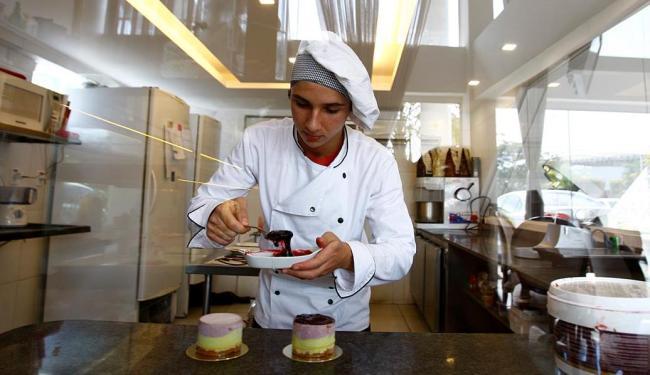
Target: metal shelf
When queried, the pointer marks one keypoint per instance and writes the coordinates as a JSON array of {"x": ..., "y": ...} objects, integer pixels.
[
  {"x": 11, "y": 133},
  {"x": 40, "y": 230}
]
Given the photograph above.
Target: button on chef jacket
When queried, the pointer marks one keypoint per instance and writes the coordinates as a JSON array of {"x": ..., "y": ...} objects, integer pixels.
[{"x": 362, "y": 184}]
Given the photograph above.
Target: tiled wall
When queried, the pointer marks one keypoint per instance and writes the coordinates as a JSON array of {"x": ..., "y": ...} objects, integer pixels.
[{"x": 23, "y": 262}]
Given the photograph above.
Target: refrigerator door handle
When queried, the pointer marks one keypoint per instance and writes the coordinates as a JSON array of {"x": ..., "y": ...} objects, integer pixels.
[{"x": 154, "y": 192}]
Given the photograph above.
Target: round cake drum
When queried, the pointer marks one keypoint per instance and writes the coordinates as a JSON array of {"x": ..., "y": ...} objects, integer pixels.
[{"x": 602, "y": 324}]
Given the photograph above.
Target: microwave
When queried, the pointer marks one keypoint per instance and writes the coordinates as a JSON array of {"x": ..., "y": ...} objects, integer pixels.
[{"x": 24, "y": 104}]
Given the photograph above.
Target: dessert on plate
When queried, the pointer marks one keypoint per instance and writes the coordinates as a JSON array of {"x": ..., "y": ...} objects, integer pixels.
[
  {"x": 313, "y": 337},
  {"x": 220, "y": 335}
]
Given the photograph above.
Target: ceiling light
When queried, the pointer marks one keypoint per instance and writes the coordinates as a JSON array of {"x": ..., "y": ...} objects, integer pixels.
[
  {"x": 292, "y": 60},
  {"x": 473, "y": 82},
  {"x": 393, "y": 23},
  {"x": 509, "y": 47},
  {"x": 267, "y": 2},
  {"x": 554, "y": 85},
  {"x": 158, "y": 14}
]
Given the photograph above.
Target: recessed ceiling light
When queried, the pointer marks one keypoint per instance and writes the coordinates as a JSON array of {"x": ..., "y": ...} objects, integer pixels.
[
  {"x": 292, "y": 60},
  {"x": 509, "y": 47},
  {"x": 267, "y": 2},
  {"x": 554, "y": 84},
  {"x": 473, "y": 82}
]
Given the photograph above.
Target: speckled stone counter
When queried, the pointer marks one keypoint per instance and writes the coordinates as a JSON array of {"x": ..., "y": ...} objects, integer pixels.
[
  {"x": 107, "y": 347},
  {"x": 537, "y": 269}
]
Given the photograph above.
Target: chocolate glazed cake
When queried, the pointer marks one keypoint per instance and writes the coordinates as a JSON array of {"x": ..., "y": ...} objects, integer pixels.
[{"x": 313, "y": 337}]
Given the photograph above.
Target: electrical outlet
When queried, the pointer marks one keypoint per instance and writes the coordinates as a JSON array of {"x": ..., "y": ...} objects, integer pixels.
[
  {"x": 16, "y": 176},
  {"x": 42, "y": 178}
]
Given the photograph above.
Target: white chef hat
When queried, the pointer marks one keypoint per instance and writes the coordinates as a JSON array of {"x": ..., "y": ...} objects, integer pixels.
[{"x": 333, "y": 64}]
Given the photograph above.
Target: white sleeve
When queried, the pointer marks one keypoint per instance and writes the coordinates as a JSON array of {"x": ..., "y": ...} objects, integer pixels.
[
  {"x": 226, "y": 183},
  {"x": 389, "y": 255}
]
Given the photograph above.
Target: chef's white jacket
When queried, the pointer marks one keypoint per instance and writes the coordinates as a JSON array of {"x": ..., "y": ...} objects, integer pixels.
[{"x": 361, "y": 184}]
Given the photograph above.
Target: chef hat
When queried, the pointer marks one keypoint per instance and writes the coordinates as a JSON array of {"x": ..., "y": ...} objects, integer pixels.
[{"x": 333, "y": 64}]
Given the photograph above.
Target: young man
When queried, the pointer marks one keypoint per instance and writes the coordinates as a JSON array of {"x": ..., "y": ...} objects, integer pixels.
[{"x": 322, "y": 181}]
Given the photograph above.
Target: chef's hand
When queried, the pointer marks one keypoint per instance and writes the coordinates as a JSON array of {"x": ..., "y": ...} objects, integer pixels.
[
  {"x": 227, "y": 220},
  {"x": 334, "y": 254}
]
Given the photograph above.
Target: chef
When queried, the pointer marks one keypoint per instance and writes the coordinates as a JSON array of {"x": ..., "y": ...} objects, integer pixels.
[{"x": 323, "y": 181}]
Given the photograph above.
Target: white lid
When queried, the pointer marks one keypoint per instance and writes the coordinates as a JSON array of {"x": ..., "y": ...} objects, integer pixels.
[{"x": 609, "y": 304}]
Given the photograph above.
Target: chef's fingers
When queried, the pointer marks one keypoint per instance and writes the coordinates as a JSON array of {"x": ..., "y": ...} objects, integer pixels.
[
  {"x": 311, "y": 264},
  {"x": 242, "y": 210},
  {"x": 322, "y": 264},
  {"x": 227, "y": 234},
  {"x": 227, "y": 215},
  {"x": 215, "y": 234},
  {"x": 326, "y": 239}
]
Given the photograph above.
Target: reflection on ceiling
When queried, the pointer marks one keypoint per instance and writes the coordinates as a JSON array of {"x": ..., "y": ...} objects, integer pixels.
[{"x": 110, "y": 41}]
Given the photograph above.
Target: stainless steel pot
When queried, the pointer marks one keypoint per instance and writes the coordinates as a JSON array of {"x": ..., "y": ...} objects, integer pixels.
[{"x": 429, "y": 212}]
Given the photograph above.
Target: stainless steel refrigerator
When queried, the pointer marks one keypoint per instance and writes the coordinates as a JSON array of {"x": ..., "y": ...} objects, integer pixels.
[{"x": 123, "y": 181}]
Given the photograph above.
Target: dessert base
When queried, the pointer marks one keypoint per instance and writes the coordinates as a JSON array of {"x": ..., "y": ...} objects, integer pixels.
[
  {"x": 287, "y": 351},
  {"x": 195, "y": 353}
]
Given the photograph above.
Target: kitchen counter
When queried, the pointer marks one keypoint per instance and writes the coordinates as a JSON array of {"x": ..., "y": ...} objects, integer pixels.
[
  {"x": 111, "y": 347},
  {"x": 537, "y": 269}
]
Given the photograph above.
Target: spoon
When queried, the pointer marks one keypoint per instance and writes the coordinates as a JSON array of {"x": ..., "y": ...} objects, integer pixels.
[{"x": 258, "y": 228}]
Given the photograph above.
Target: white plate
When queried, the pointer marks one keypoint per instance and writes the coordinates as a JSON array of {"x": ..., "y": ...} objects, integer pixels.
[
  {"x": 287, "y": 353},
  {"x": 265, "y": 259}
]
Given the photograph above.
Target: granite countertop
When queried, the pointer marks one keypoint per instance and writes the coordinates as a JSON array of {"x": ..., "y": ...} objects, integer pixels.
[
  {"x": 537, "y": 268},
  {"x": 110, "y": 347}
]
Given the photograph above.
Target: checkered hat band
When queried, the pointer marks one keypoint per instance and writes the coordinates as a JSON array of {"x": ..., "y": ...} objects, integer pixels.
[{"x": 307, "y": 69}]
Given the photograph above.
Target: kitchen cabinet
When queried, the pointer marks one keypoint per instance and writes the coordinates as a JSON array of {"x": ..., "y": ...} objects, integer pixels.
[
  {"x": 428, "y": 281},
  {"x": 434, "y": 256},
  {"x": 417, "y": 273}
]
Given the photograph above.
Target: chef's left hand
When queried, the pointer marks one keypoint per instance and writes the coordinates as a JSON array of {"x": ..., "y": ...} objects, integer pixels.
[{"x": 334, "y": 254}]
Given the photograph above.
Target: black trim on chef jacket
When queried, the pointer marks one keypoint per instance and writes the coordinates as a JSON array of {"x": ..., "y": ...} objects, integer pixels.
[
  {"x": 336, "y": 287},
  {"x": 345, "y": 131},
  {"x": 195, "y": 223}
]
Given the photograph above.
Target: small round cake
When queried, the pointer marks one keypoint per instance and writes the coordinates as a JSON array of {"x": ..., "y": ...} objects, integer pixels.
[
  {"x": 313, "y": 337},
  {"x": 219, "y": 335}
]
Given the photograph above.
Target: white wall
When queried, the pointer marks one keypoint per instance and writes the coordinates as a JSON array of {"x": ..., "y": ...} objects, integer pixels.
[
  {"x": 438, "y": 69},
  {"x": 483, "y": 135}
]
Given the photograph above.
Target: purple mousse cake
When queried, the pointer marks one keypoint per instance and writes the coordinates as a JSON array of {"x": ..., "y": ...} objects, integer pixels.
[
  {"x": 313, "y": 337},
  {"x": 220, "y": 335}
]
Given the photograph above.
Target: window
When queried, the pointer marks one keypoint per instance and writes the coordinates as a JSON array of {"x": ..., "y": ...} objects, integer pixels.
[{"x": 590, "y": 126}]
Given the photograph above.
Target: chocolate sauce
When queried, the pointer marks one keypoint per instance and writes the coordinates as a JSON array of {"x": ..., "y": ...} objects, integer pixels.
[
  {"x": 281, "y": 238},
  {"x": 313, "y": 319}
]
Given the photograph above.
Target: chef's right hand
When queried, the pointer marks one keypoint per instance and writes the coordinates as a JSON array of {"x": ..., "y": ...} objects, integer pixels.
[{"x": 227, "y": 220}]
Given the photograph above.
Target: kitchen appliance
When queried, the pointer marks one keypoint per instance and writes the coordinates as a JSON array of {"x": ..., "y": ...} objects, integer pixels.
[
  {"x": 131, "y": 264},
  {"x": 13, "y": 202},
  {"x": 29, "y": 106},
  {"x": 429, "y": 200},
  {"x": 206, "y": 131},
  {"x": 444, "y": 202}
]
